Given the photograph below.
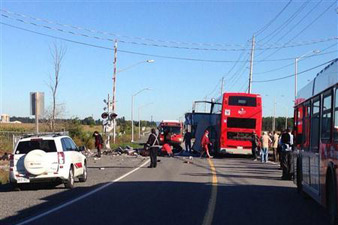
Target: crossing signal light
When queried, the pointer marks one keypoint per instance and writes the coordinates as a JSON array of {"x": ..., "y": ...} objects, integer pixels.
[
  {"x": 113, "y": 116},
  {"x": 104, "y": 115}
]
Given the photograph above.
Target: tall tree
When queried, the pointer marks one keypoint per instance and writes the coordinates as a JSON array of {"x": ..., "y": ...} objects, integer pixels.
[{"x": 57, "y": 52}]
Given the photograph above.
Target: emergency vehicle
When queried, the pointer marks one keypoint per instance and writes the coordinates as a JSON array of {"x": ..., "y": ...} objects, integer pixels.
[{"x": 173, "y": 131}]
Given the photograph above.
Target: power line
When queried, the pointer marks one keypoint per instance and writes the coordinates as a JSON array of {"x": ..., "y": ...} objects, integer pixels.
[
  {"x": 308, "y": 13},
  {"x": 163, "y": 45},
  {"x": 139, "y": 53},
  {"x": 299, "y": 33},
  {"x": 292, "y": 75},
  {"x": 273, "y": 20},
  {"x": 114, "y": 34},
  {"x": 283, "y": 25},
  {"x": 216, "y": 87},
  {"x": 306, "y": 57}
]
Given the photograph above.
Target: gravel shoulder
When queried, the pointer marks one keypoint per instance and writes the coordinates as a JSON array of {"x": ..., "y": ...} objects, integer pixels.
[{"x": 16, "y": 205}]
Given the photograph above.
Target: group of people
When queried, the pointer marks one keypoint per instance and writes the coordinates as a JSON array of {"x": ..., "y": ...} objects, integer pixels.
[
  {"x": 153, "y": 145},
  {"x": 282, "y": 146}
]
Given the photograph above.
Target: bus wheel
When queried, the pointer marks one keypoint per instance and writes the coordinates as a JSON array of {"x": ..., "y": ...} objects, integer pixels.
[
  {"x": 299, "y": 178},
  {"x": 332, "y": 200}
]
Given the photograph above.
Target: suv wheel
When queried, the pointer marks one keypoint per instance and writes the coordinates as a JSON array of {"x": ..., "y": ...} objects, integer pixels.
[
  {"x": 83, "y": 177},
  {"x": 70, "y": 182}
]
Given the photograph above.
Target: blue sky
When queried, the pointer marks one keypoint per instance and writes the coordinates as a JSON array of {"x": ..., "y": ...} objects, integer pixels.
[{"x": 86, "y": 74}]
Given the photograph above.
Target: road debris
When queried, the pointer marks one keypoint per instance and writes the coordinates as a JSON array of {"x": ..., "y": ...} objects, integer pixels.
[{"x": 188, "y": 160}]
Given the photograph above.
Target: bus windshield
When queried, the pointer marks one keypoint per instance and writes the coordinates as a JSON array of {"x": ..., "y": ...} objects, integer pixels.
[{"x": 172, "y": 130}]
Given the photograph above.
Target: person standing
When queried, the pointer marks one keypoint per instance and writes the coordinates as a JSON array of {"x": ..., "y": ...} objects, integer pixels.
[
  {"x": 254, "y": 145},
  {"x": 205, "y": 144},
  {"x": 266, "y": 140},
  {"x": 286, "y": 154},
  {"x": 153, "y": 145},
  {"x": 98, "y": 143},
  {"x": 187, "y": 140},
  {"x": 275, "y": 146}
]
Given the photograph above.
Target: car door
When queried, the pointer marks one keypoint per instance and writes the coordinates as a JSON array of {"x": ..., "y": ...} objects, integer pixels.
[{"x": 76, "y": 158}]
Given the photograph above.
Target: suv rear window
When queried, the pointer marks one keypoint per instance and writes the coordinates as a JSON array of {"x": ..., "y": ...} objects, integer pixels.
[
  {"x": 26, "y": 146},
  {"x": 242, "y": 101}
]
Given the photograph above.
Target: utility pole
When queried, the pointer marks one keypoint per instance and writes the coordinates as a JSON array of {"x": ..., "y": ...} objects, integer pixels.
[
  {"x": 114, "y": 89},
  {"x": 222, "y": 85},
  {"x": 251, "y": 64},
  {"x": 108, "y": 110}
]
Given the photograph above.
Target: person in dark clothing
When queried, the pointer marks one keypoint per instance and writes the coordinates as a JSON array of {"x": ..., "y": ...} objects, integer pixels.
[
  {"x": 153, "y": 145},
  {"x": 286, "y": 155},
  {"x": 98, "y": 143},
  {"x": 187, "y": 140},
  {"x": 254, "y": 143}
]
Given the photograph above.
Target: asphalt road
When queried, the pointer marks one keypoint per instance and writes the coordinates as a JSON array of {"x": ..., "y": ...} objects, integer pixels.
[
  {"x": 16, "y": 205},
  {"x": 234, "y": 191}
]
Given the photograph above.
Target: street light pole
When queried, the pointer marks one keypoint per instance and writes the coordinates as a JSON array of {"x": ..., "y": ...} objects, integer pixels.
[
  {"x": 135, "y": 64},
  {"x": 296, "y": 71},
  {"x": 139, "y": 120},
  {"x": 296, "y": 67},
  {"x": 132, "y": 112},
  {"x": 286, "y": 118}
]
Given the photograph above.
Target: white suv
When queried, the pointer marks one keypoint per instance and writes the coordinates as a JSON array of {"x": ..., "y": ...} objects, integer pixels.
[{"x": 47, "y": 158}]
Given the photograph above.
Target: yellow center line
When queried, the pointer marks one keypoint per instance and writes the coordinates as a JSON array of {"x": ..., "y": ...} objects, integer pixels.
[{"x": 212, "y": 201}]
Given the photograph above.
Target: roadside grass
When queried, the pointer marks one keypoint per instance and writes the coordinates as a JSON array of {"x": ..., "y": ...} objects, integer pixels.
[{"x": 4, "y": 176}]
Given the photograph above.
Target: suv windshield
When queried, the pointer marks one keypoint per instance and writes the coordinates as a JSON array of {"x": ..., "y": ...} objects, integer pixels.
[{"x": 26, "y": 146}]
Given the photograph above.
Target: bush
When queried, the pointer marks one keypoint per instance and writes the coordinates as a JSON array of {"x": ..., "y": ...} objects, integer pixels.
[{"x": 77, "y": 133}]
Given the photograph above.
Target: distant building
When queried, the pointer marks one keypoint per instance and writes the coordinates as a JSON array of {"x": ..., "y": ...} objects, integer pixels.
[{"x": 4, "y": 118}]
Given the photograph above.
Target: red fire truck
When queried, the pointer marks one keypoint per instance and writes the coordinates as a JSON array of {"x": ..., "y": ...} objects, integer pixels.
[{"x": 171, "y": 132}]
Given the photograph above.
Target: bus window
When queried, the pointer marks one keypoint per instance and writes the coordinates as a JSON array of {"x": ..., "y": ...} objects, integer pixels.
[
  {"x": 326, "y": 117},
  {"x": 306, "y": 127},
  {"x": 314, "y": 134},
  {"x": 335, "y": 130},
  {"x": 242, "y": 101}
]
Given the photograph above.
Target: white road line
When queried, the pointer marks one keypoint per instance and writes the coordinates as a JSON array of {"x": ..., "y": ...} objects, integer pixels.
[{"x": 80, "y": 197}]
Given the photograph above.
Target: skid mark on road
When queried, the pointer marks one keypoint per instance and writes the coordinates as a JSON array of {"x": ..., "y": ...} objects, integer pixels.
[
  {"x": 80, "y": 197},
  {"x": 212, "y": 201}
]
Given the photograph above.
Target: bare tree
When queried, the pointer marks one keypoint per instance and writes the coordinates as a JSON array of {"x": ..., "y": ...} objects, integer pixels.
[{"x": 57, "y": 52}]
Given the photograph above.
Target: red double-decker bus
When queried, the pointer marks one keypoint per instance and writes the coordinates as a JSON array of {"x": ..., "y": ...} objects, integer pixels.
[
  {"x": 241, "y": 116},
  {"x": 315, "y": 160},
  {"x": 231, "y": 121}
]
